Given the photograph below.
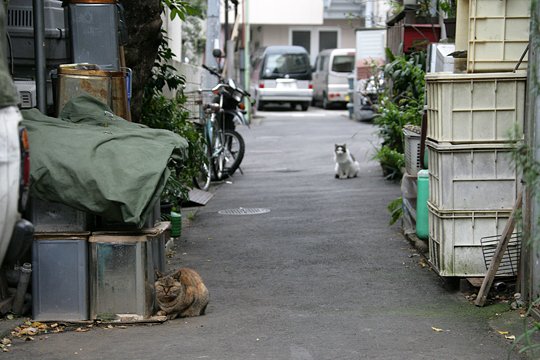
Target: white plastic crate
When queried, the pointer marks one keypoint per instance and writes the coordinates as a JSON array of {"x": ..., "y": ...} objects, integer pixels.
[
  {"x": 412, "y": 152},
  {"x": 455, "y": 247},
  {"x": 472, "y": 177},
  {"x": 474, "y": 108},
  {"x": 495, "y": 33}
]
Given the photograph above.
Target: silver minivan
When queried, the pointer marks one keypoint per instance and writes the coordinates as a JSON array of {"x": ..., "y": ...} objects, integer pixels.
[
  {"x": 281, "y": 74},
  {"x": 330, "y": 76}
]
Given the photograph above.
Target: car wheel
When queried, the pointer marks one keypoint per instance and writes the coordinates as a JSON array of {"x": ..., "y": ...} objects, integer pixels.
[
  {"x": 325, "y": 102},
  {"x": 260, "y": 105},
  {"x": 305, "y": 105},
  {"x": 292, "y": 106}
]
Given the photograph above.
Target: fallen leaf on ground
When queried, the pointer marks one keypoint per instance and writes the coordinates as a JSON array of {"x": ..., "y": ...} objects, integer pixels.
[
  {"x": 437, "y": 329},
  {"x": 503, "y": 332},
  {"x": 510, "y": 337},
  {"x": 82, "y": 330}
]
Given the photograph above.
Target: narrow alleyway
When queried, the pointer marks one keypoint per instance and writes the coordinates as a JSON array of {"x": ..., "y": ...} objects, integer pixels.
[{"x": 321, "y": 276}]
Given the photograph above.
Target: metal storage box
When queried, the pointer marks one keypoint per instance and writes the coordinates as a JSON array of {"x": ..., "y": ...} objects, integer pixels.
[
  {"x": 412, "y": 152},
  {"x": 94, "y": 33},
  {"x": 455, "y": 247},
  {"x": 48, "y": 216},
  {"x": 474, "y": 108},
  {"x": 121, "y": 276},
  {"x": 59, "y": 279},
  {"x": 472, "y": 177},
  {"x": 107, "y": 86}
]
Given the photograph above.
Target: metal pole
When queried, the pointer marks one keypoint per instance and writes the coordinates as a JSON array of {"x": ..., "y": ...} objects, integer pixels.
[
  {"x": 213, "y": 28},
  {"x": 247, "y": 42},
  {"x": 226, "y": 26},
  {"x": 39, "y": 54}
]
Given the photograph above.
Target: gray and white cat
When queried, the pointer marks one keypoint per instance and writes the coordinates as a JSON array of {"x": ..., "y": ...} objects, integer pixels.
[
  {"x": 181, "y": 293},
  {"x": 346, "y": 165}
]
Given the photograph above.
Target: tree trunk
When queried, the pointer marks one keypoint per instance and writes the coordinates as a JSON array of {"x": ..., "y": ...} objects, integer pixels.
[{"x": 143, "y": 24}]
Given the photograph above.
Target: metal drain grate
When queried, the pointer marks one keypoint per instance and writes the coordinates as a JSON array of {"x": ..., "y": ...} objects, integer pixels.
[{"x": 244, "y": 211}]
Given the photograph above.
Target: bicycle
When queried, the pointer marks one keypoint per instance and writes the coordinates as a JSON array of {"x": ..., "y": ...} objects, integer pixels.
[{"x": 226, "y": 145}]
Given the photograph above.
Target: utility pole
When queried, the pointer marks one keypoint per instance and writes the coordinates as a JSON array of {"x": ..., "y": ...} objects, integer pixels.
[{"x": 213, "y": 29}]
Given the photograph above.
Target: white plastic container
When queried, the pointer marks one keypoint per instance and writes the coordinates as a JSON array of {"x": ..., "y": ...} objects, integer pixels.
[
  {"x": 455, "y": 239},
  {"x": 472, "y": 177},
  {"x": 412, "y": 152},
  {"x": 495, "y": 33},
  {"x": 474, "y": 108}
]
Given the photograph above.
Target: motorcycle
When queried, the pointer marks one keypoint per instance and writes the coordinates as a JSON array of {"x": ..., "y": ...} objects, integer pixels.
[{"x": 228, "y": 153}]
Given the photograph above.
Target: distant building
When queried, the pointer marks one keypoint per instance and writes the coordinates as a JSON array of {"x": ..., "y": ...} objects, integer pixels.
[{"x": 314, "y": 24}]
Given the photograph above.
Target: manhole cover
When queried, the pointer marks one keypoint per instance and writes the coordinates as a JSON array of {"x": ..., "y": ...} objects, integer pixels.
[{"x": 244, "y": 211}]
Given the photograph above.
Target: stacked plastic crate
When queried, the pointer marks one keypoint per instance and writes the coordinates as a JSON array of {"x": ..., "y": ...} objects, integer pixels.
[{"x": 472, "y": 181}]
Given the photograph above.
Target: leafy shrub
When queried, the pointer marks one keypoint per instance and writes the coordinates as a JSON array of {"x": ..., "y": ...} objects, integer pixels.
[{"x": 161, "y": 112}]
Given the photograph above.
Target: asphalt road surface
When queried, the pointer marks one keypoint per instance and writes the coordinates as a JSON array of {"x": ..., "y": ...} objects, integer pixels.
[{"x": 320, "y": 276}]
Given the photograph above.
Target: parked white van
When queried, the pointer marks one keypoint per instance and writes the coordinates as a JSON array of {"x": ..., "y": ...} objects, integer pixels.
[
  {"x": 330, "y": 76},
  {"x": 281, "y": 74}
]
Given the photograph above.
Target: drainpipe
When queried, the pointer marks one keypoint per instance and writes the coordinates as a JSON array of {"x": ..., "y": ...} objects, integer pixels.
[
  {"x": 39, "y": 54},
  {"x": 24, "y": 280}
]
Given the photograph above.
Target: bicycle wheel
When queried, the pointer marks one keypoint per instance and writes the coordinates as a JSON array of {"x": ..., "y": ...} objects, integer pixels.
[
  {"x": 234, "y": 149},
  {"x": 218, "y": 155},
  {"x": 203, "y": 178}
]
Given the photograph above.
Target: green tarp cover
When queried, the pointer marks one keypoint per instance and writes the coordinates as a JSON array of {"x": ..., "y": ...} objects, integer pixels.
[{"x": 97, "y": 162}]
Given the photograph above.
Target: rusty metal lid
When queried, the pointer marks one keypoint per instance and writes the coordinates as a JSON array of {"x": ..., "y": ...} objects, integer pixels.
[
  {"x": 91, "y": 1},
  {"x": 87, "y": 70}
]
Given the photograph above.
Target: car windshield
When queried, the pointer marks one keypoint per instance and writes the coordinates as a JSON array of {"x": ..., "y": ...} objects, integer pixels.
[
  {"x": 283, "y": 64},
  {"x": 343, "y": 63}
]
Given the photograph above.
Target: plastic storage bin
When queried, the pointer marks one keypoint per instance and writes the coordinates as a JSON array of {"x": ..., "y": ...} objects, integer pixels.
[
  {"x": 455, "y": 247},
  {"x": 472, "y": 177},
  {"x": 21, "y": 31},
  {"x": 494, "y": 33},
  {"x": 474, "y": 108},
  {"x": 60, "y": 277},
  {"x": 412, "y": 152},
  {"x": 55, "y": 217}
]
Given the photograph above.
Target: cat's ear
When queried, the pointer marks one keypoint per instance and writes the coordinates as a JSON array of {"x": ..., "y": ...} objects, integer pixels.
[
  {"x": 158, "y": 274},
  {"x": 177, "y": 274}
]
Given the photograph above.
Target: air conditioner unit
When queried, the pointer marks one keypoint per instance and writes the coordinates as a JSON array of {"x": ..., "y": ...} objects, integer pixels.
[{"x": 27, "y": 93}]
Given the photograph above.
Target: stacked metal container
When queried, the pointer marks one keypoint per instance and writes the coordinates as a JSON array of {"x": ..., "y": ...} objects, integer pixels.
[
  {"x": 411, "y": 135},
  {"x": 472, "y": 115},
  {"x": 81, "y": 275},
  {"x": 59, "y": 261}
]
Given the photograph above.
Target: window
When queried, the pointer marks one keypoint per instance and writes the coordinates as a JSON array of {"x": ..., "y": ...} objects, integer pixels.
[
  {"x": 343, "y": 63},
  {"x": 302, "y": 38},
  {"x": 284, "y": 64},
  {"x": 328, "y": 40}
]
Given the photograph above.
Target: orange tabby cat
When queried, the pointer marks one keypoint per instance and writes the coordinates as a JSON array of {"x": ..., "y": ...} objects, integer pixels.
[{"x": 181, "y": 294}]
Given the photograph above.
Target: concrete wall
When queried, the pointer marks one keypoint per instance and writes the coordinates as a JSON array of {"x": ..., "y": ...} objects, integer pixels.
[
  {"x": 272, "y": 12},
  {"x": 266, "y": 35},
  {"x": 174, "y": 32}
]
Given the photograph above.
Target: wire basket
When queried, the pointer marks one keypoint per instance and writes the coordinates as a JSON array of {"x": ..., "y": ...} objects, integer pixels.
[
  {"x": 510, "y": 260},
  {"x": 193, "y": 105}
]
